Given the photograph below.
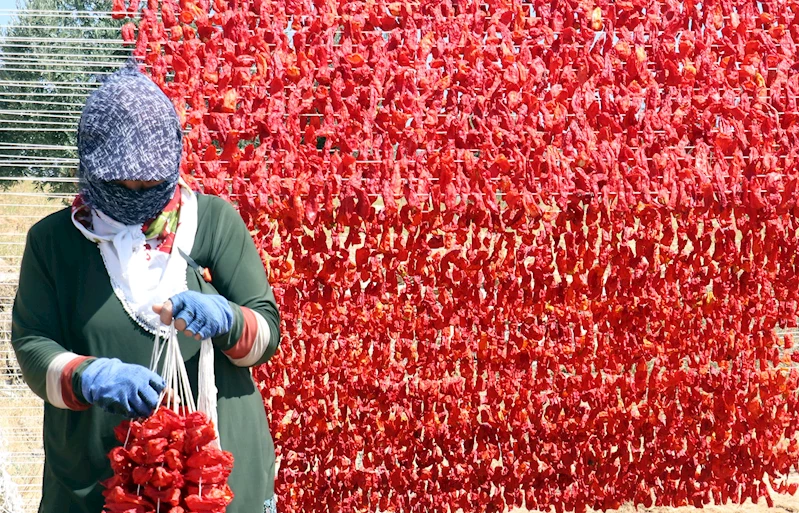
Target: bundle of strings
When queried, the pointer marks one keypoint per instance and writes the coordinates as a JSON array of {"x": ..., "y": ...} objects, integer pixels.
[{"x": 172, "y": 461}]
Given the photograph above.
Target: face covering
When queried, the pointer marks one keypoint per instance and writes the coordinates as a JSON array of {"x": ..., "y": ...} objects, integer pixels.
[
  {"x": 129, "y": 130},
  {"x": 125, "y": 205}
]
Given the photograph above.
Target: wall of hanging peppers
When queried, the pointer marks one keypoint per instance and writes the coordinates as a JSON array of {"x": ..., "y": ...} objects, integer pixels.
[{"x": 526, "y": 253}]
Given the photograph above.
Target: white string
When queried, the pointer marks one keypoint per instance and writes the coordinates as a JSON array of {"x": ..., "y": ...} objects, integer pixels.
[
  {"x": 164, "y": 372},
  {"x": 206, "y": 383},
  {"x": 177, "y": 393},
  {"x": 185, "y": 384},
  {"x": 158, "y": 349},
  {"x": 174, "y": 373}
]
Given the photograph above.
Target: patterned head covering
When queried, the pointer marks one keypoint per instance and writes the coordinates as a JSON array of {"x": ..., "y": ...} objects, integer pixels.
[{"x": 129, "y": 130}]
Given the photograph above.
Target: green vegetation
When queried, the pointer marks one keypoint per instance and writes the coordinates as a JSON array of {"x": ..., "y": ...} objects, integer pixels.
[{"x": 51, "y": 56}]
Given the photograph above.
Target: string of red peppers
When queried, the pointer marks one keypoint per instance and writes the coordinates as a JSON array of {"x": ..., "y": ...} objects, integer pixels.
[
  {"x": 525, "y": 253},
  {"x": 168, "y": 463}
]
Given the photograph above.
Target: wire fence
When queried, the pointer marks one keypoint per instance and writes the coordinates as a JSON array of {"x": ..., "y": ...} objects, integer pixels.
[
  {"x": 44, "y": 81},
  {"x": 21, "y": 454}
]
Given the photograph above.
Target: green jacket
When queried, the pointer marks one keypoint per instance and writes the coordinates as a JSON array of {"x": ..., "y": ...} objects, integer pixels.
[{"x": 65, "y": 308}]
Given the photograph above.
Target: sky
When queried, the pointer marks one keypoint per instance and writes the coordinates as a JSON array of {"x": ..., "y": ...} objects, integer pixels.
[{"x": 5, "y": 16}]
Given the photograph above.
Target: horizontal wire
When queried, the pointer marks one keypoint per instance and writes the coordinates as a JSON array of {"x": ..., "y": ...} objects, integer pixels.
[
  {"x": 38, "y": 102},
  {"x": 34, "y": 160},
  {"x": 17, "y": 61},
  {"x": 59, "y": 13},
  {"x": 205, "y": 114},
  {"x": 65, "y": 27},
  {"x": 22, "y": 205},
  {"x": 38, "y": 164},
  {"x": 57, "y": 85},
  {"x": 56, "y": 93},
  {"x": 4, "y": 145},
  {"x": 23, "y": 129},
  {"x": 190, "y": 109},
  {"x": 68, "y": 163},
  {"x": 32, "y": 39},
  {"x": 122, "y": 58},
  {"x": 53, "y": 94},
  {"x": 285, "y": 115},
  {"x": 126, "y": 46},
  {"x": 42, "y": 113},
  {"x": 48, "y": 196},
  {"x": 35, "y": 63},
  {"x": 93, "y": 51},
  {"x": 39, "y": 158},
  {"x": 60, "y": 72},
  {"x": 90, "y": 50},
  {"x": 63, "y": 14},
  {"x": 121, "y": 44},
  {"x": 63, "y": 71},
  {"x": 423, "y": 197},
  {"x": 49, "y": 123},
  {"x": 57, "y": 179},
  {"x": 87, "y": 87},
  {"x": 420, "y": 151}
]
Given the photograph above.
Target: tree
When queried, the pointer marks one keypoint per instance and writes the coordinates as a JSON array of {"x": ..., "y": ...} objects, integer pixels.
[{"x": 49, "y": 55}]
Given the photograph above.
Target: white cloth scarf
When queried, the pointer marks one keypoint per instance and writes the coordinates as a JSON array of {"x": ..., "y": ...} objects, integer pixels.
[{"x": 144, "y": 277}]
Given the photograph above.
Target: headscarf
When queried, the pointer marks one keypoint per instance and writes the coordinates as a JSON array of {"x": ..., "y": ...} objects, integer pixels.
[{"x": 129, "y": 130}]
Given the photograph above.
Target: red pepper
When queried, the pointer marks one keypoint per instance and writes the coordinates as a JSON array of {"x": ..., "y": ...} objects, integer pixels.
[{"x": 150, "y": 468}]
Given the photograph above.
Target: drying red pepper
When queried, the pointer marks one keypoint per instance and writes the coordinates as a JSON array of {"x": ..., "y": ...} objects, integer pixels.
[
  {"x": 588, "y": 208},
  {"x": 149, "y": 467}
]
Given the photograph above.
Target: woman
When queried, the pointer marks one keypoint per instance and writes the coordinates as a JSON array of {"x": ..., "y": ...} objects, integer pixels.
[{"x": 99, "y": 279}]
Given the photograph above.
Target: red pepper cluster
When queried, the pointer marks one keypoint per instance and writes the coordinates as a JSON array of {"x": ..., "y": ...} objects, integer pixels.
[
  {"x": 526, "y": 252},
  {"x": 167, "y": 463}
]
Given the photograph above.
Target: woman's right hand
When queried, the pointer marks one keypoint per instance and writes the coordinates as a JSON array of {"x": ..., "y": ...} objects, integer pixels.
[{"x": 122, "y": 388}]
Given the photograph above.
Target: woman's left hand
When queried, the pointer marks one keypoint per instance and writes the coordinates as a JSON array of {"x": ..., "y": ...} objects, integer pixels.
[{"x": 196, "y": 314}]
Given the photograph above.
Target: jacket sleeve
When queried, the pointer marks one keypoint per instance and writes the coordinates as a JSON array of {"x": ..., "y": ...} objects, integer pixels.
[
  {"x": 49, "y": 370},
  {"x": 238, "y": 274}
]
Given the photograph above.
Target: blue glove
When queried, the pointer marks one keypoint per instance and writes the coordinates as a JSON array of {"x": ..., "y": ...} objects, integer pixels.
[
  {"x": 121, "y": 388},
  {"x": 205, "y": 315}
]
